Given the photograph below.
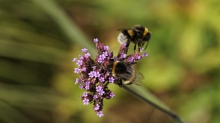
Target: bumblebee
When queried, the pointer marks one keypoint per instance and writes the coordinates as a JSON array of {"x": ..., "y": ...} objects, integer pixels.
[
  {"x": 139, "y": 35},
  {"x": 125, "y": 73}
]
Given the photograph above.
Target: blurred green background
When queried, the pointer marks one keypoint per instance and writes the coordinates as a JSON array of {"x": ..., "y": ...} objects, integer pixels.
[{"x": 39, "y": 38}]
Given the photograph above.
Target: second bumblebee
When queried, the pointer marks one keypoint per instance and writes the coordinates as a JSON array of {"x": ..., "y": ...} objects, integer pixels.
[{"x": 139, "y": 35}]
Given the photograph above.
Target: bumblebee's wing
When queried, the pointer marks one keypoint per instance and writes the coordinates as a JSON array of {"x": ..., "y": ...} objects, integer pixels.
[
  {"x": 138, "y": 79},
  {"x": 124, "y": 29}
]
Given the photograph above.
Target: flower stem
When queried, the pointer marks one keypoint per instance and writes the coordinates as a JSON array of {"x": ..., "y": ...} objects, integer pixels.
[{"x": 148, "y": 98}]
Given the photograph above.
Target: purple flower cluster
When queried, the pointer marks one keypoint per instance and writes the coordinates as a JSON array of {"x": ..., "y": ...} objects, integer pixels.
[{"x": 95, "y": 75}]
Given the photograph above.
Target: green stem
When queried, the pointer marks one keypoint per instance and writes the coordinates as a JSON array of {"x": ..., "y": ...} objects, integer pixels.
[{"x": 153, "y": 101}]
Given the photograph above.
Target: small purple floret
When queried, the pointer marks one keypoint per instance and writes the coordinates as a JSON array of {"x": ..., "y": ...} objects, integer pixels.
[
  {"x": 98, "y": 88},
  {"x": 86, "y": 101},
  {"x": 91, "y": 74},
  {"x": 96, "y": 107},
  {"x": 95, "y": 97},
  {"x": 123, "y": 55},
  {"x": 84, "y": 69},
  {"x": 85, "y": 94},
  {"x": 77, "y": 70},
  {"x": 84, "y": 50},
  {"x": 112, "y": 94},
  {"x": 138, "y": 57},
  {"x": 79, "y": 62},
  {"x": 101, "y": 79},
  {"x": 87, "y": 55},
  {"x": 111, "y": 79},
  {"x": 77, "y": 81},
  {"x": 81, "y": 86},
  {"x": 145, "y": 54},
  {"x": 106, "y": 48},
  {"x": 74, "y": 59},
  {"x": 96, "y": 40},
  {"x": 100, "y": 114}
]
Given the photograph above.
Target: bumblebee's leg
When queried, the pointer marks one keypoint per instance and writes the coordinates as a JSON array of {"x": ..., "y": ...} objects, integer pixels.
[
  {"x": 147, "y": 39},
  {"x": 134, "y": 47},
  {"x": 128, "y": 43},
  {"x": 119, "y": 82},
  {"x": 139, "y": 49},
  {"x": 127, "y": 46},
  {"x": 146, "y": 45},
  {"x": 139, "y": 46},
  {"x": 125, "y": 49}
]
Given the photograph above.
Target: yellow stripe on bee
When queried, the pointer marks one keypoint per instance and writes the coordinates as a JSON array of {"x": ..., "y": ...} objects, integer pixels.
[
  {"x": 113, "y": 68},
  {"x": 145, "y": 31},
  {"x": 131, "y": 32}
]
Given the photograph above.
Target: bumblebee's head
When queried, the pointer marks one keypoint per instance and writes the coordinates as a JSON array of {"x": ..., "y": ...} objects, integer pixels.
[
  {"x": 147, "y": 36},
  {"x": 145, "y": 31}
]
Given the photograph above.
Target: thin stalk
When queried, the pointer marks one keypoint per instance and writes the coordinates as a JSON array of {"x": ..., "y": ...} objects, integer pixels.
[{"x": 153, "y": 101}]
